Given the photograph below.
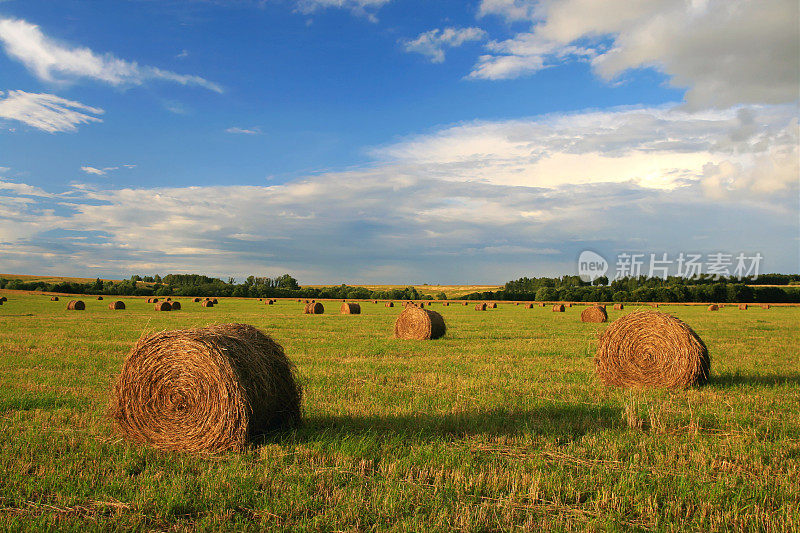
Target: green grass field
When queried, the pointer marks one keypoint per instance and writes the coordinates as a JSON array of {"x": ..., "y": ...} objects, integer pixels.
[{"x": 501, "y": 425}]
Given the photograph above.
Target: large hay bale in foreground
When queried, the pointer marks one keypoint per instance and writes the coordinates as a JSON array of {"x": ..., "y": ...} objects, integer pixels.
[
  {"x": 76, "y": 305},
  {"x": 54, "y": 298},
  {"x": 119, "y": 304},
  {"x": 480, "y": 307},
  {"x": 558, "y": 308},
  {"x": 314, "y": 308},
  {"x": 594, "y": 313},
  {"x": 176, "y": 306},
  {"x": 205, "y": 390},
  {"x": 651, "y": 349},
  {"x": 163, "y": 306},
  {"x": 419, "y": 324},
  {"x": 350, "y": 309},
  {"x": 619, "y": 307},
  {"x": 389, "y": 304},
  {"x": 713, "y": 307},
  {"x": 207, "y": 303}
]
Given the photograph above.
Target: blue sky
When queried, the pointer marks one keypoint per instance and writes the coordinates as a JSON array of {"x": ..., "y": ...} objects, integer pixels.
[{"x": 394, "y": 141}]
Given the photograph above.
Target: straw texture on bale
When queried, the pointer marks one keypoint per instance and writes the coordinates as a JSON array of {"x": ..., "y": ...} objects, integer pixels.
[
  {"x": 480, "y": 307},
  {"x": 743, "y": 307},
  {"x": 419, "y": 324},
  {"x": 76, "y": 305},
  {"x": 619, "y": 307},
  {"x": 350, "y": 309},
  {"x": 176, "y": 306},
  {"x": 594, "y": 313},
  {"x": 119, "y": 304},
  {"x": 389, "y": 304},
  {"x": 651, "y": 349},
  {"x": 163, "y": 306},
  {"x": 314, "y": 308},
  {"x": 713, "y": 307},
  {"x": 205, "y": 390},
  {"x": 54, "y": 299},
  {"x": 558, "y": 308},
  {"x": 207, "y": 303}
]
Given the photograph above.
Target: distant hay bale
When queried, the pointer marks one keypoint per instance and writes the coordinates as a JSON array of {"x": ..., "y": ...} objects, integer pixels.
[
  {"x": 764, "y": 306},
  {"x": 76, "y": 305},
  {"x": 163, "y": 306},
  {"x": 3, "y": 299},
  {"x": 214, "y": 301},
  {"x": 314, "y": 308},
  {"x": 651, "y": 349},
  {"x": 205, "y": 390},
  {"x": 176, "y": 306},
  {"x": 480, "y": 307},
  {"x": 119, "y": 304},
  {"x": 529, "y": 306},
  {"x": 270, "y": 302},
  {"x": 196, "y": 300},
  {"x": 446, "y": 304},
  {"x": 743, "y": 307},
  {"x": 152, "y": 300},
  {"x": 542, "y": 304},
  {"x": 350, "y": 309},
  {"x": 465, "y": 303},
  {"x": 558, "y": 308},
  {"x": 492, "y": 305},
  {"x": 99, "y": 297},
  {"x": 54, "y": 299},
  {"x": 299, "y": 300},
  {"x": 389, "y": 304},
  {"x": 594, "y": 313},
  {"x": 569, "y": 305},
  {"x": 169, "y": 299},
  {"x": 419, "y": 324},
  {"x": 713, "y": 307},
  {"x": 619, "y": 307},
  {"x": 207, "y": 303}
]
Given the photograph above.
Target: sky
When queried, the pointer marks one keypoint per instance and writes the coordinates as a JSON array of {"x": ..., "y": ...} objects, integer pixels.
[{"x": 396, "y": 141}]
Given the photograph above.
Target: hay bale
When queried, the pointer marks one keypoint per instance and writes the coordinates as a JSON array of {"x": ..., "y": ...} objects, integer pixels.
[
  {"x": 446, "y": 304},
  {"x": 594, "y": 313},
  {"x": 314, "y": 308},
  {"x": 176, "y": 306},
  {"x": 558, "y": 308},
  {"x": 169, "y": 299},
  {"x": 569, "y": 305},
  {"x": 492, "y": 305},
  {"x": 713, "y": 307},
  {"x": 419, "y": 324},
  {"x": 163, "y": 306},
  {"x": 542, "y": 304},
  {"x": 350, "y": 309},
  {"x": 99, "y": 297},
  {"x": 764, "y": 306},
  {"x": 196, "y": 300},
  {"x": 76, "y": 305},
  {"x": 205, "y": 390},
  {"x": 529, "y": 306},
  {"x": 54, "y": 298},
  {"x": 214, "y": 301},
  {"x": 480, "y": 307},
  {"x": 619, "y": 307},
  {"x": 119, "y": 304},
  {"x": 3, "y": 299},
  {"x": 207, "y": 303},
  {"x": 743, "y": 307},
  {"x": 651, "y": 349},
  {"x": 389, "y": 304}
]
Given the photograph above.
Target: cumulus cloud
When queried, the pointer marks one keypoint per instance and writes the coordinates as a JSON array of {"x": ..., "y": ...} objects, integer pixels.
[
  {"x": 46, "y": 112},
  {"x": 51, "y": 61},
  {"x": 432, "y": 43},
  {"x": 725, "y": 52},
  {"x": 365, "y": 8},
  {"x": 484, "y": 201}
]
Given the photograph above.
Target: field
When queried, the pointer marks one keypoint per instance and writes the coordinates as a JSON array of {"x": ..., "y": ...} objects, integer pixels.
[{"x": 500, "y": 425}]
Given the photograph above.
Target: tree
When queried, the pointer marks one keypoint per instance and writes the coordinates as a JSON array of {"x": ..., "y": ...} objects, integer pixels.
[
  {"x": 287, "y": 282},
  {"x": 441, "y": 296}
]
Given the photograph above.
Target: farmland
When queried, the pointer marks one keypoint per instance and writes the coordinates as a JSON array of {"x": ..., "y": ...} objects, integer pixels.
[{"x": 499, "y": 425}]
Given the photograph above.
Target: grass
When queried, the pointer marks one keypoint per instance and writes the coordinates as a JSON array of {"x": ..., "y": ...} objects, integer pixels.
[{"x": 500, "y": 425}]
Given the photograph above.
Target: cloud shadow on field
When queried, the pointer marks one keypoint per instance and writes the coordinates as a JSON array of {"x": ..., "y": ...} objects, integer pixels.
[
  {"x": 566, "y": 421},
  {"x": 729, "y": 381}
]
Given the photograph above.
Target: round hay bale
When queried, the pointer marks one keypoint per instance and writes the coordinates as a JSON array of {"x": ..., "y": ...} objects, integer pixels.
[
  {"x": 196, "y": 300},
  {"x": 300, "y": 300},
  {"x": 594, "y": 313},
  {"x": 99, "y": 297},
  {"x": 743, "y": 307},
  {"x": 569, "y": 305},
  {"x": 3, "y": 299},
  {"x": 558, "y": 308},
  {"x": 314, "y": 308},
  {"x": 713, "y": 307},
  {"x": 651, "y": 349},
  {"x": 764, "y": 306},
  {"x": 163, "y": 306},
  {"x": 480, "y": 307},
  {"x": 389, "y": 304},
  {"x": 542, "y": 304},
  {"x": 271, "y": 302},
  {"x": 350, "y": 309},
  {"x": 374, "y": 301},
  {"x": 214, "y": 301},
  {"x": 446, "y": 304},
  {"x": 528, "y": 306},
  {"x": 492, "y": 305},
  {"x": 119, "y": 304},
  {"x": 169, "y": 299},
  {"x": 619, "y": 307},
  {"x": 207, "y": 303},
  {"x": 205, "y": 390},
  {"x": 176, "y": 306},
  {"x": 54, "y": 299},
  {"x": 419, "y": 324},
  {"x": 76, "y": 305}
]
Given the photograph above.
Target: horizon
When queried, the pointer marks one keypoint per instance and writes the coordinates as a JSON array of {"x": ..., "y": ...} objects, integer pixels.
[{"x": 375, "y": 140}]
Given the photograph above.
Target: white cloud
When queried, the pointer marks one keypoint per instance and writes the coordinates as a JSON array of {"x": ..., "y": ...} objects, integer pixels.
[
  {"x": 51, "y": 61},
  {"x": 726, "y": 52},
  {"x": 533, "y": 192},
  {"x": 244, "y": 131},
  {"x": 432, "y": 43},
  {"x": 365, "y": 8},
  {"x": 46, "y": 112},
  {"x": 101, "y": 171}
]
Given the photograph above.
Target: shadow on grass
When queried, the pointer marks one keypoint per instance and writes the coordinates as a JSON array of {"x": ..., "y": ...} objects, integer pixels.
[
  {"x": 752, "y": 380},
  {"x": 570, "y": 422}
]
